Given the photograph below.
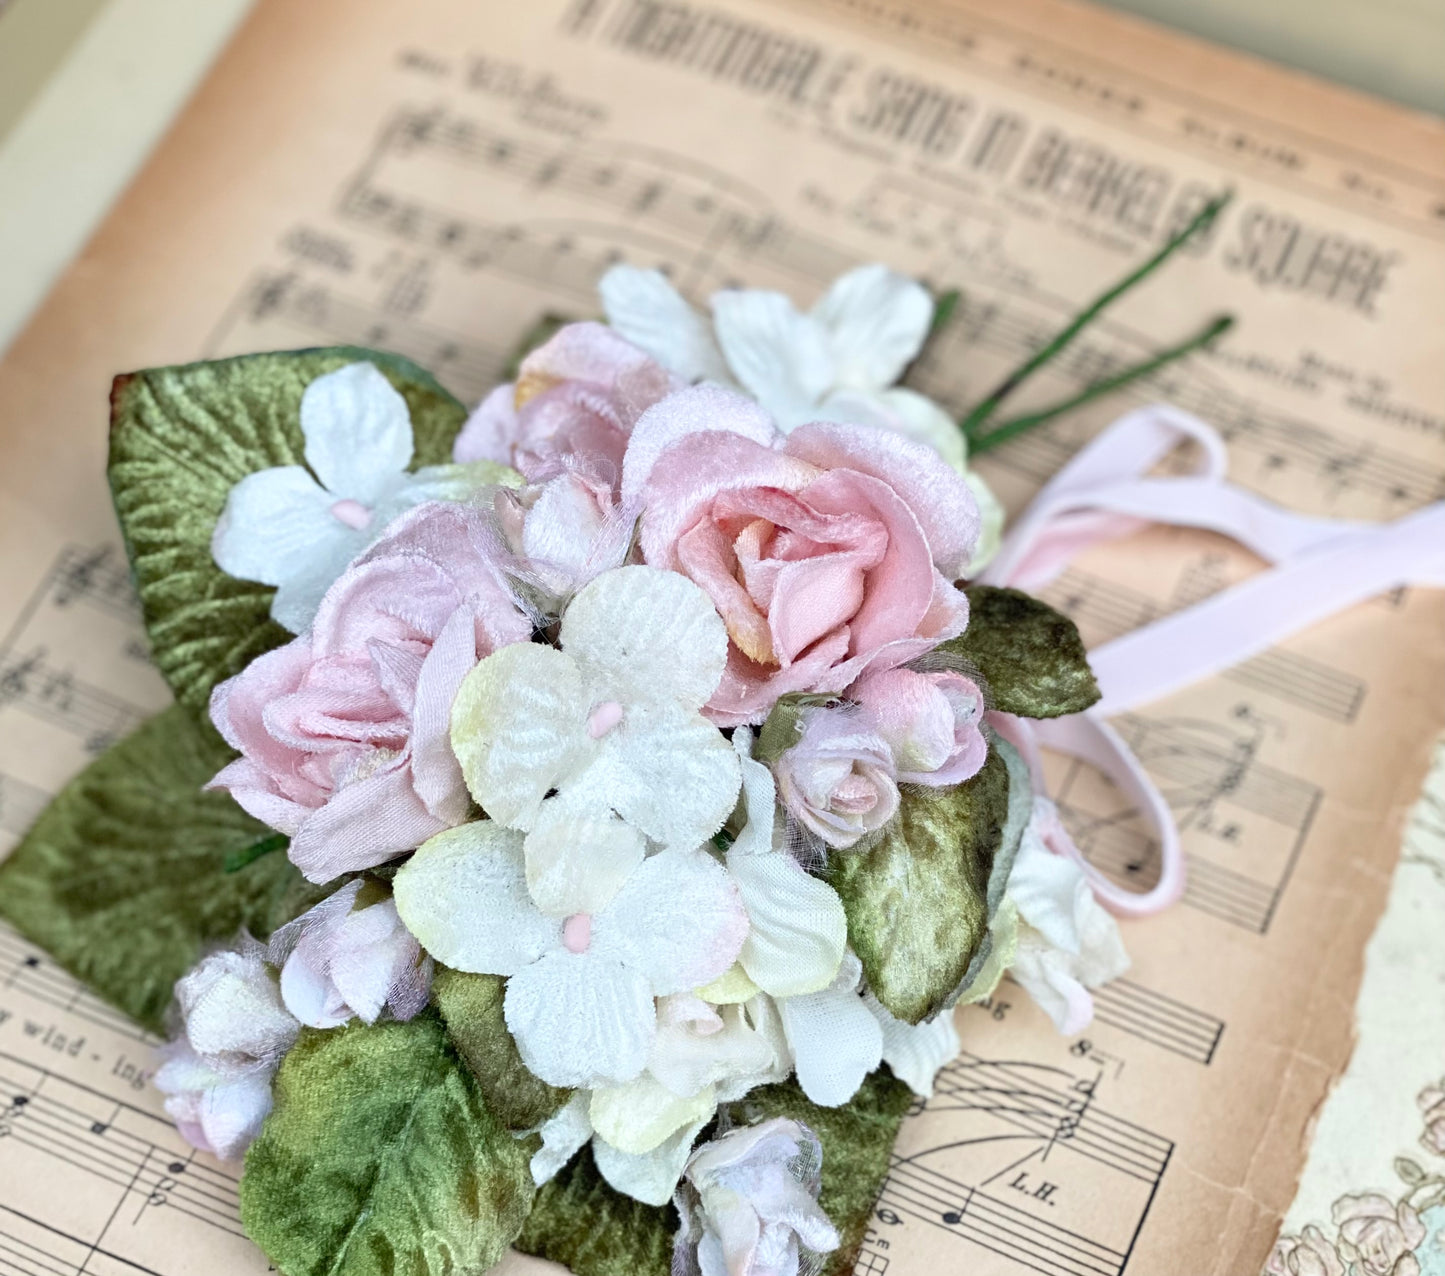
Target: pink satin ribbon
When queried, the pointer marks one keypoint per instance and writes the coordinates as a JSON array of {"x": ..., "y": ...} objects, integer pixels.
[{"x": 1319, "y": 566}]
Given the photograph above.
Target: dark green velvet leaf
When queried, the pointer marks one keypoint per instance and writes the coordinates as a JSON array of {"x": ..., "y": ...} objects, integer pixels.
[
  {"x": 581, "y": 1222},
  {"x": 381, "y": 1158},
  {"x": 181, "y": 438},
  {"x": 1030, "y": 655},
  {"x": 122, "y": 878},
  {"x": 471, "y": 1005},
  {"x": 916, "y": 893}
]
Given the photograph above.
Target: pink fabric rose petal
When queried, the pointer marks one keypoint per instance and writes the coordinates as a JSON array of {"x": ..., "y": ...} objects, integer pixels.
[{"x": 344, "y": 732}]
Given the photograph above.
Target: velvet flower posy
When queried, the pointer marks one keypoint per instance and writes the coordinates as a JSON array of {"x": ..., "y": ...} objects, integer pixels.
[{"x": 642, "y": 762}]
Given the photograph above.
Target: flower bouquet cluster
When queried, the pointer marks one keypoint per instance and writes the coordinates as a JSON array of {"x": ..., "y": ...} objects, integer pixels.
[{"x": 632, "y": 747}]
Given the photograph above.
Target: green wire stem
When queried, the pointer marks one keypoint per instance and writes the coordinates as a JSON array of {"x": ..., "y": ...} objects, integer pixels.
[
  {"x": 972, "y": 424},
  {"x": 1018, "y": 425}
]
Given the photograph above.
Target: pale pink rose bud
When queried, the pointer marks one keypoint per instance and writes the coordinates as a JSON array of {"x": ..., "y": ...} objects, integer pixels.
[
  {"x": 931, "y": 721},
  {"x": 350, "y": 956},
  {"x": 748, "y": 1203},
  {"x": 838, "y": 780}
]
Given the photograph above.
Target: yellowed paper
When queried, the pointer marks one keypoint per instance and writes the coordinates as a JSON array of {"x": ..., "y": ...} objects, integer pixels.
[{"x": 431, "y": 178}]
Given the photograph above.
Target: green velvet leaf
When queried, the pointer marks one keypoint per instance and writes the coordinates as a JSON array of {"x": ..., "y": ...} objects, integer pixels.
[
  {"x": 181, "y": 438},
  {"x": 381, "y": 1158},
  {"x": 995, "y": 952},
  {"x": 471, "y": 1005},
  {"x": 1030, "y": 655},
  {"x": 916, "y": 893},
  {"x": 581, "y": 1222},
  {"x": 122, "y": 878}
]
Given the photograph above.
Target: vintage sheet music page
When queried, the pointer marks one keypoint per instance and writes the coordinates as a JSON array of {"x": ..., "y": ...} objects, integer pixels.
[{"x": 434, "y": 176}]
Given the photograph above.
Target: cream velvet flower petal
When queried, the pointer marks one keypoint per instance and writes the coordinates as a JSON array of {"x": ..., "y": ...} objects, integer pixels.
[
  {"x": 650, "y": 1178},
  {"x": 464, "y": 896},
  {"x": 876, "y": 320},
  {"x": 706, "y": 1047},
  {"x": 666, "y": 771},
  {"x": 358, "y": 432},
  {"x": 517, "y": 724},
  {"x": 678, "y": 919},
  {"x": 798, "y": 929},
  {"x": 916, "y": 1052},
  {"x": 835, "y": 1041},
  {"x": 921, "y": 418},
  {"x": 278, "y": 525},
  {"x": 563, "y": 1134},
  {"x": 644, "y": 1113},
  {"x": 577, "y": 859},
  {"x": 646, "y": 309},
  {"x": 781, "y": 356},
  {"x": 644, "y": 634},
  {"x": 581, "y": 1019}
]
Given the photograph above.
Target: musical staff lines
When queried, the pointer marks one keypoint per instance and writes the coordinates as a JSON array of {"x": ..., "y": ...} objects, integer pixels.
[
  {"x": 1243, "y": 822},
  {"x": 32, "y": 682},
  {"x": 27, "y": 970},
  {"x": 20, "y": 803},
  {"x": 1151, "y": 1016},
  {"x": 1023, "y": 1144},
  {"x": 129, "y": 1169}
]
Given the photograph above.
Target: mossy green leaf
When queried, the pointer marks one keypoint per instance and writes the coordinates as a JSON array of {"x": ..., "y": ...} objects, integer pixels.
[
  {"x": 122, "y": 878},
  {"x": 381, "y": 1158},
  {"x": 471, "y": 1006},
  {"x": 1030, "y": 655},
  {"x": 916, "y": 893},
  {"x": 580, "y": 1221},
  {"x": 181, "y": 438}
]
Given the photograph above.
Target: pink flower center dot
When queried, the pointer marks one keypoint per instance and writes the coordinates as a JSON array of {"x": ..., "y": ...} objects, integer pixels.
[
  {"x": 603, "y": 718},
  {"x": 353, "y": 513},
  {"x": 577, "y": 933}
]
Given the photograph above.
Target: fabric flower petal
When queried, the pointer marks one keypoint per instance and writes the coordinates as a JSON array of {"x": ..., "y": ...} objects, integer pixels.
[
  {"x": 563, "y": 1134},
  {"x": 798, "y": 928},
  {"x": 836, "y": 1042},
  {"x": 668, "y": 772},
  {"x": 936, "y": 493},
  {"x": 358, "y": 432},
  {"x": 275, "y": 526},
  {"x": 876, "y": 321},
  {"x": 646, "y": 309},
  {"x": 517, "y": 722},
  {"x": 464, "y": 896},
  {"x": 492, "y": 430},
  {"x": 652, "y": 1177},
  {"x": 678, "y": 919},
  {"x": 701, "y": 409},
  {"x": 781, "y": 356},
  {"x": 581, "y": 1019},
  {"x": 642, "y": 634},
  {"x": 577, "y": 859},
  {"x": 916, "y": 1052},
  {"x": 643, "y": 1114}
]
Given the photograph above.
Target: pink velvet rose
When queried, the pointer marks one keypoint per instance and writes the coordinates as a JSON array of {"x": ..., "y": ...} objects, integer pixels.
[
  {"x": 343, "y": 732},
  {"x": 571, "y": 409},
  {"x": 827, "y": 552},
  {"x": 932, "y": 722},
  {"x": 838, "y": 781}
]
